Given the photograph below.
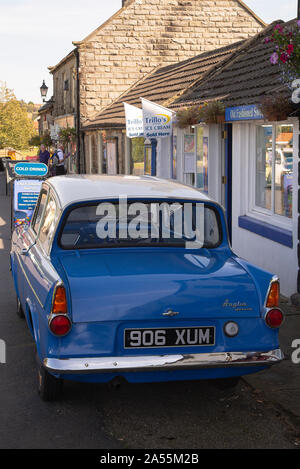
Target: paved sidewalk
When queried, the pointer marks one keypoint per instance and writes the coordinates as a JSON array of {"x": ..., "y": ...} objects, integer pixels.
[{"x": 281, "y": 383}]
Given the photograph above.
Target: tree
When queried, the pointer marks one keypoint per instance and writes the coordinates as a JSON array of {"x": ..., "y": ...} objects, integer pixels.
[{"x": 15, "y": 127}]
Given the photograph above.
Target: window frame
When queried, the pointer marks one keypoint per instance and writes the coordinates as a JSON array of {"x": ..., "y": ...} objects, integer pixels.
[
  {"x": 254, "y": 211},
  {"x": 33, "y": 220},
  {"x": 46, "y": 245},
  {"x": 212, "y": 206}
]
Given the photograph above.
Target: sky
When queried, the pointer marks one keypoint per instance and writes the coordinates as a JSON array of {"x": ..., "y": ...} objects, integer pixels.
[{"x": 36, "y": 34}]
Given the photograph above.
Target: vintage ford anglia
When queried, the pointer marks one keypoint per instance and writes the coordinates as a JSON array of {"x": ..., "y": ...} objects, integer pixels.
[{"x": 134, "y": 277}]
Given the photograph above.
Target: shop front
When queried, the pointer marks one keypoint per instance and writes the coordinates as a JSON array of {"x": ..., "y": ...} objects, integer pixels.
[
  {"x": 264, "y": 194},
  {"x": 248, "y": 165},
  {"x": 195, "y": 156}
]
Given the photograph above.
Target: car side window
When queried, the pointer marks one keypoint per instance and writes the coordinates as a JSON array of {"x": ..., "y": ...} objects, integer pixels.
[
  {"x": 48, "y": 224},
  {"x": 39, "y": 211}
]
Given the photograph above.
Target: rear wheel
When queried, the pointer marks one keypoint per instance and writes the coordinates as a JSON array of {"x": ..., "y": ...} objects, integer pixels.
[
  {"x": 49, "y": 387},
  {"x": 20, "y": 311}
]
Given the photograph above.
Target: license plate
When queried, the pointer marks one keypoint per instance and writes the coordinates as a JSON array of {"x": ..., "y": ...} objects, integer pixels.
[{"x": 169, "y": 337}]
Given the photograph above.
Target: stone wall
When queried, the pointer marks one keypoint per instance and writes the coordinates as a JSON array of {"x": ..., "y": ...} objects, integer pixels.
[
  {"x": 149, "y": 33},
  {"x": 64, "y": 76}
]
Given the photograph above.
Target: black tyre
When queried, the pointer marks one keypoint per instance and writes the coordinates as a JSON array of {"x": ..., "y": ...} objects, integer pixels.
[
  {"x": 49, "y": 387},
  {"x": 20, "y": 311}
]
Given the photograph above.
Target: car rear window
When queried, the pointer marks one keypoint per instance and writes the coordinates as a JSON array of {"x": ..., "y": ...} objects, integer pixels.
[{"x": 138, "y": 223}]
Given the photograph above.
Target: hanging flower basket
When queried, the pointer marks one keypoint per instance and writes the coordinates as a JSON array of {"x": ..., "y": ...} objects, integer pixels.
[
  {"x": 286, "y": 52},
  {"x": 67, "y": 135},
  {"x": 214, "y": 113},
  {"x": 276, "y": 107},
  {"x": 188, "y": 116}
]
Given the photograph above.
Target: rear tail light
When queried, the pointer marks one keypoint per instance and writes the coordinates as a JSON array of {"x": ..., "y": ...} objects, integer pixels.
[
  {"x": 60, "y": 325},
  {"x": 59, "y": 305},
  {"x": 59, "y": 322},
  {"x": 274, "y": 318},
  {"x": 273, "y": 295}
]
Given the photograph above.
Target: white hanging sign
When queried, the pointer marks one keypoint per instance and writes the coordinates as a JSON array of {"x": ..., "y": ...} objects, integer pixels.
[
  {"x": 157, "y": 120},
  {"x": 134, "y": 121}
]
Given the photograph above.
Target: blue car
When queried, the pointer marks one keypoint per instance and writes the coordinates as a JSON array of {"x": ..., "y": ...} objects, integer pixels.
[{"x": 134, "y": 277}]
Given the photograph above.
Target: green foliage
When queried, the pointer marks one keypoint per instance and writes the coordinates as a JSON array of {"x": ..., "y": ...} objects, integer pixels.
[
  {"x": 47, "y": 140},
  {"x": 213, "y": 112},
  {"x": 5, "y": 93},
  {"x": 188, "y": 116},
  {"x": 67, "y": 135},
  {"x": 15, "y": 126},
  {"x": 35, "y": 141}
]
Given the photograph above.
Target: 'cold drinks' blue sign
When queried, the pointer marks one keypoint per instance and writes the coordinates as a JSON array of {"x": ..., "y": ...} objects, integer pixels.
[
  {"x": 242, "y": 113},
  {"x": 31, "y": 169}
]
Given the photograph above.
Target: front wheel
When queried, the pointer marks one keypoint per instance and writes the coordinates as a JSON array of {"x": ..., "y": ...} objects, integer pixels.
[{"x": 49, "y": 387}]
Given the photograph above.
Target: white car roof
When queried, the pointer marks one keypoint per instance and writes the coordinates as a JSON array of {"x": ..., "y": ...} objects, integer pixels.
[{"x": 80, "y": 188}]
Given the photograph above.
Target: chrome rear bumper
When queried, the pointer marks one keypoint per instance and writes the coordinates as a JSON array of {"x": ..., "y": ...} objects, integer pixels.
[{"x": 162, "y": 362}]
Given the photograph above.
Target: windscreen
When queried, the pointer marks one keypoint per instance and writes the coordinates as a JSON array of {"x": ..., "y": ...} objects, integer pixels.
[{"x": 138, "y": 223}]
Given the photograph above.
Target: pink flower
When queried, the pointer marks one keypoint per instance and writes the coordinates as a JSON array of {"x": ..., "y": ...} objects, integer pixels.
[
  {"x": 284, "y": 57},
  {"x": 290, "y": 49},
  {"x": 278, "y": 28},
  {"x": 267, "y": 40},
  {"x": 274, "y": 58}
]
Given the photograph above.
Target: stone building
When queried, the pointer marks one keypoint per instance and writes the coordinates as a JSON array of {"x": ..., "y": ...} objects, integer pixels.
[
  {"x": 65, "y": 90},
  {"x": 105, "y": 136},
  {"x": 142, "y": 35},
  {"x": 45, "y": 119}
]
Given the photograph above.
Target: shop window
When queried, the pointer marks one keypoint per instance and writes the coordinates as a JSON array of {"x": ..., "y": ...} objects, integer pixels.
[
  {"x": 201, "y": 159},
  {"x": 148, "y": 158},
  {"x": 283, "y": 183},
  {"x": 274, "y": 169},
  {"x": 174, "y": 157},
  {"x": 94, "y": 155},
  {"x": 137, "y": 156},
  {"x": 104, "y": 157}
]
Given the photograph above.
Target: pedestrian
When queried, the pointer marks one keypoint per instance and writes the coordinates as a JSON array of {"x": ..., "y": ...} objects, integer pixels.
[
  {"x": 43, "y": 155},
  {"x": 60, "y": 167},
  {"x": 53, "y": 160}
]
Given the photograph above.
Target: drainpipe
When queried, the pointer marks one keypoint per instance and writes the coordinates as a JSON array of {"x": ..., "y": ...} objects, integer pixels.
[{"x": 78, "y": 124}]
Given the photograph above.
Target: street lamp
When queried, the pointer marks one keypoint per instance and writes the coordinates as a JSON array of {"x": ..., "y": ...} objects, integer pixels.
[{"x": 44, "y": 90}]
